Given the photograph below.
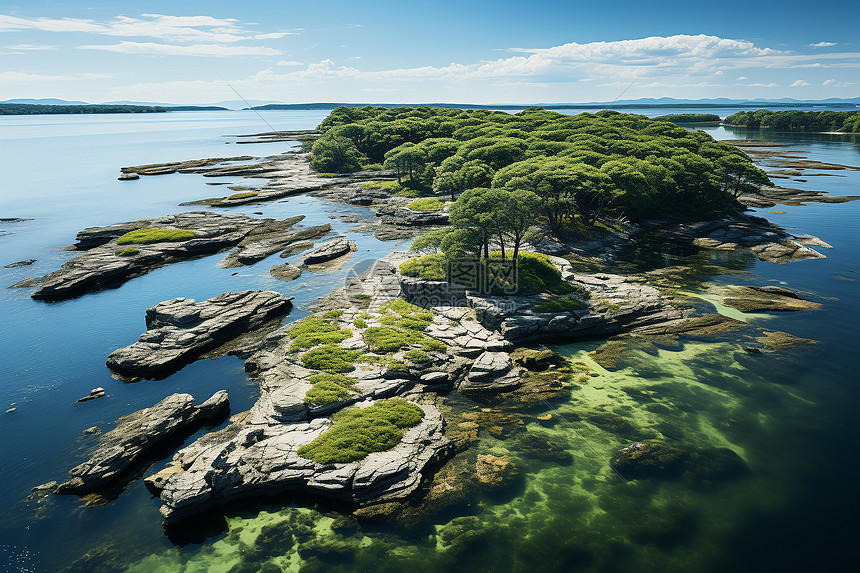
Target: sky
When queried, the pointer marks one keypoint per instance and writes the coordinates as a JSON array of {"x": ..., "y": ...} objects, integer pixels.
[{"x": 381, "y": 51}]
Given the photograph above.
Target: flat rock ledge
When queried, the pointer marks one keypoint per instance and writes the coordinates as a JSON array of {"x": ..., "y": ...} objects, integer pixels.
[
  {"x": 135, "y": 434},
  {"x": 180, "y": 330},
  {"x": 331, "y": 250},
  {"x": 103, "y": 266},
  {"x": 262, "y": 460},
  {"x": 766, "y": 299}
]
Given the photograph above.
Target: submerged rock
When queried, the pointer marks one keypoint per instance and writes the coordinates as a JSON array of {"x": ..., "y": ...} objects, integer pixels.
[
  {"x": 24, "y": 263},
  {"x": 645, "y": 460},
  {"x": 180, "y": 330},
  {"x": 766, "y": 298},
  {"x": 135, "y": 434},
  {"x": 333, "y": 249}
]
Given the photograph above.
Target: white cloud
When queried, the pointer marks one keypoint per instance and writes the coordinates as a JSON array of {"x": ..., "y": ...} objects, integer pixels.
[
  {"x": 182, "y": 50},
  {"x": 799, "y": 83},
  {"x": 823, "y": 44},
  {"x": 25, "y": 77},
  {"x": 289, "y": 63},
  {"x": 742, "y": 78},
  {"x": 31, "y": 47},
  {"x": 770, "y": 85},
  {"x": 159, "y": 26}
]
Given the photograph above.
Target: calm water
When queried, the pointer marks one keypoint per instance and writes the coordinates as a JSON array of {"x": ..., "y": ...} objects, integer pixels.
[{"x": 796, "y": 509}]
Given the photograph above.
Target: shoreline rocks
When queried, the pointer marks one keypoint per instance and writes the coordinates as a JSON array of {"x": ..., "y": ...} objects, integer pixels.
[
  {"x": 180, "y": 330},
  {"x": 329, "y": 251},
  {"x": 766, "y": 299},
  {"x": 136, "y": 434}
]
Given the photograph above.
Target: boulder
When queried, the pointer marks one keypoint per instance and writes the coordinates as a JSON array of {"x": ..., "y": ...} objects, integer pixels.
[
  {"x": 135, "y": 434},
  {"x": 130, "y": 176},
  {"x": 180, "y": 330},
  {"x": 24, "y": 263},
  {"x": 333, "y": 249},
  {"x": 491, "y": 372},
  {"x": 286, "y": 272},
  {"x": 94, "y": 393}
]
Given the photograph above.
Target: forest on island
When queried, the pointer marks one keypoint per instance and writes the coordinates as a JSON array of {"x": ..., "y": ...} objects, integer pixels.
[
  {"x": 509, "y": 174},
  {"x": 820, "y": 121},
  {"x": 39, "y": 109}
]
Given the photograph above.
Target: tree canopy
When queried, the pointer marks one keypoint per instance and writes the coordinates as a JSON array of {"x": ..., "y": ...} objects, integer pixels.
[{"x": 792, "y": 120}]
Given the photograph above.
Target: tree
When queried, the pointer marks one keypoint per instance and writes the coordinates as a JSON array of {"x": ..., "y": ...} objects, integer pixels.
[{"x": 335, "y": 153}]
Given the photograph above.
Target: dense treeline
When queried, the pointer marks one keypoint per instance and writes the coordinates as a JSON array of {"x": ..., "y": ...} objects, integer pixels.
[
  {"x": 844, "y": 121},
  {"x": 689, "y": 117},
  {"x": 36, "y": 109},
  {"x": 578, "y": 169}
]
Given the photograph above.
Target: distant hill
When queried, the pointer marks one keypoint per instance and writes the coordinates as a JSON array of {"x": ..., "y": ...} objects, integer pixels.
[
  {"x": 89, "y": 108},
  {"x": 621, "y": 104}
]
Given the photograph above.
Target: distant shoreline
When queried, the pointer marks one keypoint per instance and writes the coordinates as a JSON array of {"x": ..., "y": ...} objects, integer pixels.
[{"x": 86, "y": 109}]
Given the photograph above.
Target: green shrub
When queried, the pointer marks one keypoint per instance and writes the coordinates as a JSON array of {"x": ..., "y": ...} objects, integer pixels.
[
  {"x": 127, "y": 252},
  {"x": 433, "y": 344},
  {"x": 314, "y": 330},
  {"x": 333, "y": 314},
  {"x": 155, "y": 235},
  {"x": 357, "y": 432},
  {"x": 429, "y": 267},
  {"x": 329, "y": 388},
  {"x": 389, "y": 186},
  {"x": 331, "y": 358},
  {"x": 416, "y": 356},
  {"x": 243, "y": 195},
  {"x": 359, "y": 323},
  {"x": 559, "y": 304},
  {"x": 372, "y": 167},
  {"x": 427, "y": 204},
  {"x": 326, "y": 175}
]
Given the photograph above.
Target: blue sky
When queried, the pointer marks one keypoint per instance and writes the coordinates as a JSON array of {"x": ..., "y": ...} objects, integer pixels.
[{"x": 444, "y": 51}]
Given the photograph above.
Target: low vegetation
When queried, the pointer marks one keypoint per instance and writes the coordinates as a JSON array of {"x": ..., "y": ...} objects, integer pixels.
[
  {"x": 559, "y": 304},
  {"x": 329, "y": 388},
  {"x": 245, "y": 195},
  {"x": 127, "y": 252},
  {"x": 313, "y": 331},
  {"x": 791, "y": 120},
  {"x": 155, "y": 235},
  {"x": 427, "y": 204},
  {"x": 331, "y": 358},
  {"x": 357, "y": 432},
  {"x": 689, "y": 118}
]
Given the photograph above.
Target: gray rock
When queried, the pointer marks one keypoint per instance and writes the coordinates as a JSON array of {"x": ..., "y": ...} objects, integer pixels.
[
  {"x": 333, "y": 249},
  {"x": 121, "y": 448},
  {"x": 270, "y": 238},
  {"x": 491, "y": 372},
  {"x": 24, "y": 263},
  {"x": 286, "y": 272},
  {"x": 94, "y": 393},
  {"x": 101, "y": 267},
  {"x": 263, "y": 460},
  {"x": 130, "y": 176},
  {"x": 180, "y": 330}
]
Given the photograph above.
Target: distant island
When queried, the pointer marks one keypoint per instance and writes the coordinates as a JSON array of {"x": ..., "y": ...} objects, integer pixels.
[
  {"x": 42, "y": 109},
  {"x": 690, "y": 118},
  {"x": 815, "y": 121}
]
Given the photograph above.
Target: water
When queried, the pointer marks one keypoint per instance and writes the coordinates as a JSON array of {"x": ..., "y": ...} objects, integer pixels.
[{"x": 795, "y": 509}]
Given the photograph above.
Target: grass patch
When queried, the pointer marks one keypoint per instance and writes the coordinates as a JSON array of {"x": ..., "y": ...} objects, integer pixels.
[
  {"x": 389, "y": 186},
  {"x": 243, "y": 195},
  {"x": 127, "y": 252},
  {"x": 155, "y": 235},
  {"x": 333, "y": 314},
  {"x": 329, "y": 388},
  {"x": 609, "y": 306},
  {"x": 411, "y": 316},
  {"x": 388, "y": 339},
  {"x": 427, "y": 204},
  {"x": 326, "y": 175},
  {"x": 429, "y": 267},
  {"x": 331, "y": 358},
  {"x": 357, "y": 432},
  {"x": 416, "y": 356},
  {"x": 314, "y": 330},
  {"x": 559, "y": 304}
]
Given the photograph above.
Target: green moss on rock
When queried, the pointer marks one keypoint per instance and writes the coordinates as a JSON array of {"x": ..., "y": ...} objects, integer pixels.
[
  {"x": 155, "y": 235},
  {"x": 127, "y": 252},
  {"x": 331, "y": 358},
  {"x": 357, "y": 432},
  {"x": 329, "y": 388},
  {"x": 313, "y": 330}
]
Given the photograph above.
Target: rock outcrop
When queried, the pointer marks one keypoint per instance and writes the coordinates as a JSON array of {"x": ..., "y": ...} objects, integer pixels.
[
  {"x": 262, "y": 460},
  {"x": 106, "y": 264},
  {"x": 766, "y": 299},
  {"x": 491, "y": 372},
  {"x": 285, "y": 272},
  {"x": 180, "y": 330},
  {"x": 331, "y": 250},
  {"x": 127, "y": 444},
  {"x": 269, "y": 238}
]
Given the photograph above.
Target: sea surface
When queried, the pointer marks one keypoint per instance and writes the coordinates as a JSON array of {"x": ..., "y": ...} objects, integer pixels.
[{"x": 795, "y": 509}]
